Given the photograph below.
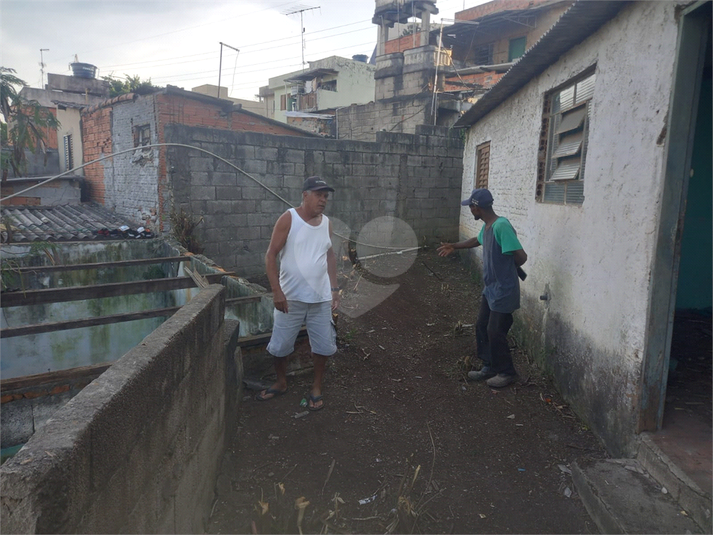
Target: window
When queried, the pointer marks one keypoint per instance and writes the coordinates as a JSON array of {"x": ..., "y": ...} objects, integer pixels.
[
  {"x": 283, "y": 102},
  {"x": 482, "y": 164},
  {"x": 142, "y": 135},
  {"x": 68, "y": 153},
  {"x": 516, "y": 48},
  {"x": 563, "y": 142},
  {"x": 483, "y": 54}
]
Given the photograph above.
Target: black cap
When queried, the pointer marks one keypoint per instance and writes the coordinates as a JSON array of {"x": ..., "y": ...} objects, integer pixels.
[
  {"x": 480, "y": 197},
  {"x": 314, "y": 183}
]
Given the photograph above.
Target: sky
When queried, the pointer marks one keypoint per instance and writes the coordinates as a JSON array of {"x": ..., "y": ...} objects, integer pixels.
[{"x": 178, "y": 42}]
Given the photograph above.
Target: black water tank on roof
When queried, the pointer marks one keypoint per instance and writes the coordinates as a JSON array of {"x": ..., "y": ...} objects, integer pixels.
[
  {"x": 360, "y": 57},
  {"x": 84, "y": 70}
]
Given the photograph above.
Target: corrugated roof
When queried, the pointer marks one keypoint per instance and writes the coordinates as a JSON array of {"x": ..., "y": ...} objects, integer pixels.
[
  {"x": 576, "y": 24},
  {"x": 72, "y": 222}
]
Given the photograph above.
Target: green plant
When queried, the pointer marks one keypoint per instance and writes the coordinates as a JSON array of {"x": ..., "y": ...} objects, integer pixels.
[
  {"x": 28, "y": 123},
  {"x": 10, "y": 275},
  {"x": 182, "y": 226},
  {"x": 131, "y": 84}
]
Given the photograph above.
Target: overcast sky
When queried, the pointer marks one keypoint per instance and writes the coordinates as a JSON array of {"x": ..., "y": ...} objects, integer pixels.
[{"x": 178, "y": 42}]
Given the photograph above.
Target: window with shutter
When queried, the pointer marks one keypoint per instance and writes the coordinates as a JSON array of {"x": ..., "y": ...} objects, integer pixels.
[
  {"x": 563, "y": 141},
  {"x": 482, "y": 165}
]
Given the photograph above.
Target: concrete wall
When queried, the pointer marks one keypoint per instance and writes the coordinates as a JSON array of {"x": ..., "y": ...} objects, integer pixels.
[
  {"x": 415, "y": 178},
  {"x": 65, "y": 190},
  {"x": 355, "y": 85},
  {"x": 398, "y": 115},
  {"x": 138, "y": 450},
  {"x": 594, "y": 260}
]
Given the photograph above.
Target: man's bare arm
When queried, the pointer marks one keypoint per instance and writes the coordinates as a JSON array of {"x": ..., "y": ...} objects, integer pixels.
[
  {"x": 520, "y": 257},
  {"x": 447, "y": 248},
  {"x": 277, "y": 243},
  {"x": 332, "y": 272}
]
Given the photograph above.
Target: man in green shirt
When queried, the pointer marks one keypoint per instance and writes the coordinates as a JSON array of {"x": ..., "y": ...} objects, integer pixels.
[{"x": 502, "y": 256}]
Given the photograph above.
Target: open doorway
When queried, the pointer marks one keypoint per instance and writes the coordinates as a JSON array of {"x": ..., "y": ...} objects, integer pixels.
[
  {"x": 687, "y": 410},
  {"x": 676, "y": 398}
]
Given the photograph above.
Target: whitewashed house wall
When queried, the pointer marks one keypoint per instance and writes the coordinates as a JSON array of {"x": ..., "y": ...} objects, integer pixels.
[{"x": 593, "y": 261}]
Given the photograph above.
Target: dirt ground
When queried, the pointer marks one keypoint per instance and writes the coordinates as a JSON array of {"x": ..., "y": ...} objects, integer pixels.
[{"x": 404, "y": 443}]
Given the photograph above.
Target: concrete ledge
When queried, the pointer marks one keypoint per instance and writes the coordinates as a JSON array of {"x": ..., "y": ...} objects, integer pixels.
[
  {"x": 682, "y": 488},
  {"x": 138, "y": 449},
  {"x": 621, "y": 498}
]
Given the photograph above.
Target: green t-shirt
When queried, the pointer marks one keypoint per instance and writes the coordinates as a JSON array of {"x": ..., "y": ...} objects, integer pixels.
[
  {"x": 502, "y": 286},
  {"x": 504, "y": 234}
]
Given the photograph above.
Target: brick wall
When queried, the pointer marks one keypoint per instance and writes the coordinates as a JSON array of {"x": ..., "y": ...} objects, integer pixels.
[
  {"x": 96, "y": 142},
  {"x": 135, "y": 184},
  {"x": 484, "y": 79},
  {"x": 416, "y": 178},
  {"x": 403, "y": 43}
]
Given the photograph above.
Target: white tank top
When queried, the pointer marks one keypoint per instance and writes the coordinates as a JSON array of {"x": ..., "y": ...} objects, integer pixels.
[{"x": 303, "y": 261}]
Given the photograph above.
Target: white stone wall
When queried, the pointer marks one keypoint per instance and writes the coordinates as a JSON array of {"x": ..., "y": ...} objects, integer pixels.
[
  {"x": 132, "y": 187},
  {"x": 70, "y": 125},
  {"x": 593, "y": 260}
]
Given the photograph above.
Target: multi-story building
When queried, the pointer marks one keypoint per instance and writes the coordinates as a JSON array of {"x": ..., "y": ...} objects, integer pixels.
[{"x": 310, "y": 98}]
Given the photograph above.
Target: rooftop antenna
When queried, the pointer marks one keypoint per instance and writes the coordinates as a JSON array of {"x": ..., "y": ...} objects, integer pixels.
[
  {"x": 220, "y": 67},
  {"x": 42, "y": 66},
  {"x": 301, "y": 10}
]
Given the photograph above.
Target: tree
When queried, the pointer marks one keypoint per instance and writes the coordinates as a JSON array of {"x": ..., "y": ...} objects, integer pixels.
[
  {"x": 26, "y": 124},
  {"x": 131, "y": 84}
]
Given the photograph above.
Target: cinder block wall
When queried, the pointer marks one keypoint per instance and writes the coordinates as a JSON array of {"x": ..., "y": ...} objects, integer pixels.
[
  {"x": 400, "y": 115},
  {"x": 416, "y": 178},
  {"x": 138, "y": 450}
]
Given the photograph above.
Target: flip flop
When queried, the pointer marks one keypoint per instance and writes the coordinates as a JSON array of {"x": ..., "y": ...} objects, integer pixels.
[
  {"x": 315, "y": 399},
  {"x": 271, "y": 392}
]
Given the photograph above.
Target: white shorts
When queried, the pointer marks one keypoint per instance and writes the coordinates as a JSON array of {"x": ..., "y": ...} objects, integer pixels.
[{"x": 320, "y": 329}]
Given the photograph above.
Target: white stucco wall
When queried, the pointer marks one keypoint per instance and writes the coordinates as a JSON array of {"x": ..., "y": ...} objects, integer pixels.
[
  {"x": 69, "y": 119},
  {"x": 355, "y": 85},
  {"x": 593, "y": 260}
]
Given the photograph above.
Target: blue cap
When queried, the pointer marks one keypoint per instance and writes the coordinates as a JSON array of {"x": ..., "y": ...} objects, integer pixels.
[{"x": 480, "y": 197}]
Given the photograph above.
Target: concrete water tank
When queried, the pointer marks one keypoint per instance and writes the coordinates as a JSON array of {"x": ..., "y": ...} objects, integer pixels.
[{"x": 84, "y": 70}]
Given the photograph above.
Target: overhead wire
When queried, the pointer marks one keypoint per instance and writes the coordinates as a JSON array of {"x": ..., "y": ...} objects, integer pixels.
[{"x": 184, "y": 145}]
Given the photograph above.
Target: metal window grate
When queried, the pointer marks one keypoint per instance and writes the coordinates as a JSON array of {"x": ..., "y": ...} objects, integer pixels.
[{"x": 68, "y": 152}]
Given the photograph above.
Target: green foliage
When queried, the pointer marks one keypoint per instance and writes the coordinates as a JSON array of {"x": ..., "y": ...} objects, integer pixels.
[
  {"x": 10, "y": 275},
  {"x": 182, "y": 225},
  {"x": 130, "y": 84},
  {"x": 412, "y": 28},
  {"x": 28, "y": 123},
  {"x": 154, "y": 272}
]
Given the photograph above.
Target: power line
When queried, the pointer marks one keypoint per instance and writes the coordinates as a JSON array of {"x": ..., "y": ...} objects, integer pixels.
[{"x": 151, "y": 63}]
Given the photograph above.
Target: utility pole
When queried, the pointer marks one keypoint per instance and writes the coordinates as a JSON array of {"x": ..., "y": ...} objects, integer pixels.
[
  {"x": 220, "y": 68},
  {"x": 42, "y": 67},
  {"x": 301, "y": 10}
]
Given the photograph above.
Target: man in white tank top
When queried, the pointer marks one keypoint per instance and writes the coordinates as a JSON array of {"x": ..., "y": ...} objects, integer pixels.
[{"x": 304, "y": 288}]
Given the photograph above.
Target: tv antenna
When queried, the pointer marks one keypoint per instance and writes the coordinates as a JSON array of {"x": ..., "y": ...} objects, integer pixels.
[
  {"x": 42, "y": 67},
  {"x": 220, "y": 66},
  {"x": 301, "y": 10}
]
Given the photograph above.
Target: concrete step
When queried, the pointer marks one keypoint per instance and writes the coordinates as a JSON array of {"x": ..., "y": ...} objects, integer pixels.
[
  {"x": 682, "y": 488},
  {"x": 622, "y": 498}
]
